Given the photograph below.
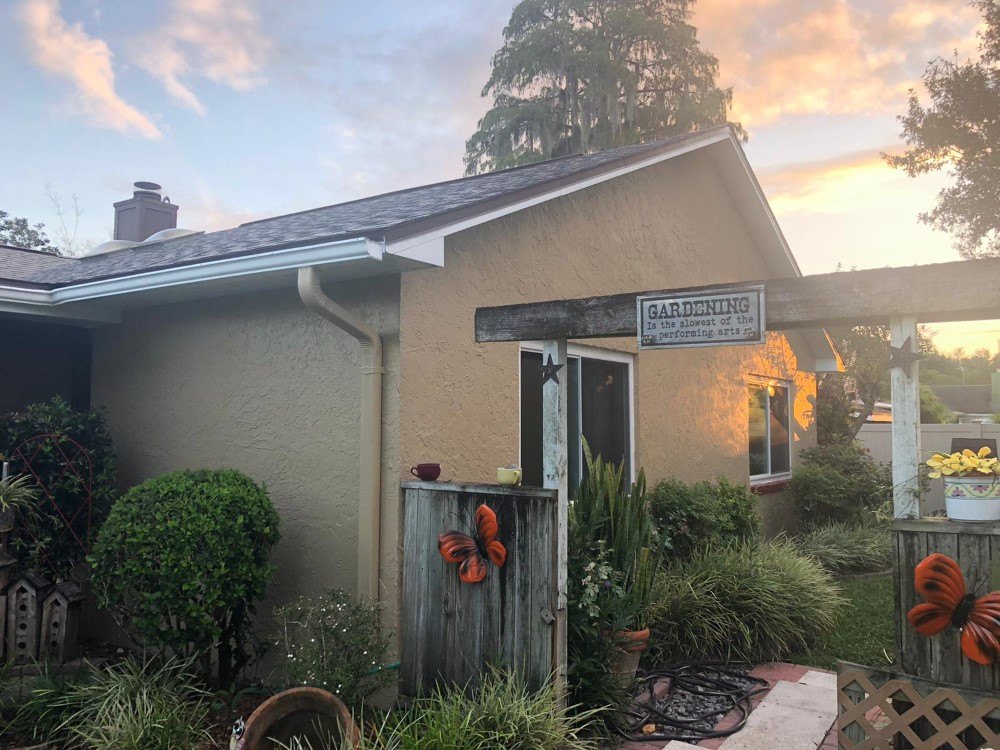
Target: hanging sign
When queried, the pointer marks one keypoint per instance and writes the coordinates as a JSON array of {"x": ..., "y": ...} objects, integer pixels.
[{"x": 710, "y": 317}]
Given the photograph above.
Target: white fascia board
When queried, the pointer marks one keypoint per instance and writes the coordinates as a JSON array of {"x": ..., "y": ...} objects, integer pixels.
[
  {"x": 38, "y": 303},
  {"x": 422, "y": 243},
  {"x": 275, "y": 260},
  {"x": 757, "y": 212}
]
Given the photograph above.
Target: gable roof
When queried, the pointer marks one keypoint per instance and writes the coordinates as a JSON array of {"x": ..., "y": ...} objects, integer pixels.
[{"x": 387, "y": 218}]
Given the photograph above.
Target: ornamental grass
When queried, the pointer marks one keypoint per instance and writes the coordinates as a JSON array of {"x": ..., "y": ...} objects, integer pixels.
[{"x": 742, "y": 603}]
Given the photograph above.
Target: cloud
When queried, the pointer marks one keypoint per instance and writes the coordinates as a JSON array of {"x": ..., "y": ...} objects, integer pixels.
[
  {"x": 829, "y": 57},
  {"x": 68, "y": 52},
  {"x": 221, "y": 40},
  {"x": 203, "y": 210},
  {"x": 405, "y": 104},
  {"x": 828, "y": 186}
]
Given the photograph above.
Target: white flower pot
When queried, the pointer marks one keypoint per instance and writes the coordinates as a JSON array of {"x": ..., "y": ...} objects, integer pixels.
[{"x": 972, "y": 498}]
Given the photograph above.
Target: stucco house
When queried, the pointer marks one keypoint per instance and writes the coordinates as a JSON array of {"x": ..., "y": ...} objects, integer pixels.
[{"x": 216, "y": 349}]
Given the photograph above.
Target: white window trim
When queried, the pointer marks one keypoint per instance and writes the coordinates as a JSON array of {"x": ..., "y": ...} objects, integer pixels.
[
  {"x": 761, "y": 380},
  {"x": 590, "y": 352}
]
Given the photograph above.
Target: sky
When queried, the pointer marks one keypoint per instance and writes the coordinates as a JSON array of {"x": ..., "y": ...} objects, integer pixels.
[{"x": 243, "y": 109}]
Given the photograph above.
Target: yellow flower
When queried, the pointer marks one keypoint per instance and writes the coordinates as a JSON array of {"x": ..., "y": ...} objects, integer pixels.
[{"x": 963, "y": 463}]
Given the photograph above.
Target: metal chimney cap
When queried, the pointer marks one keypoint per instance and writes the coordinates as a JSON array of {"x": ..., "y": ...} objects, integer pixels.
[{"x": 147, "y": 186}]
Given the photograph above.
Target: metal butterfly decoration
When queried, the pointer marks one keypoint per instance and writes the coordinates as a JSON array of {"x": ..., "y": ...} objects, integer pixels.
[
  {"x": 472, "y": 553},
  {"x": 939, "y": 580}
]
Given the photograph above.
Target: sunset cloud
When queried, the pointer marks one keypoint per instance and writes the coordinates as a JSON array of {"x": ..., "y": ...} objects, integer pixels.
[
  {"x": 829, "y": 57},
  {"x": 828, "y": 186},
  {"x": 68, "y": 52},
  {"x": 221, "y": 40}
]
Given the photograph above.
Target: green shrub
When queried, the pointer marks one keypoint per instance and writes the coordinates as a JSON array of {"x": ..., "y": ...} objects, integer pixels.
[
  {"x": 747, "y": 602},
  {"x": 50, "y": 544},
  {"x": 843, "y": 548},
  {"x": 126, "y": 706},
  {"x": 692, "y": 516},
  {"x": 499, "y": 713},
  {"x": 182, "y": 558},
  {"x": 334, "y": 643},
  {"x": 838, "y": 483}
]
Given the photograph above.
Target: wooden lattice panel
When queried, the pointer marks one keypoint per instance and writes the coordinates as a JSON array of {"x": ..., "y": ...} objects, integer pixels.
[{"x": 886, "y": 710}]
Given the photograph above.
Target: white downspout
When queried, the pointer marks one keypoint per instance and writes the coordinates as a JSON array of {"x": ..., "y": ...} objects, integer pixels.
[{"x": 370, "y": 499}]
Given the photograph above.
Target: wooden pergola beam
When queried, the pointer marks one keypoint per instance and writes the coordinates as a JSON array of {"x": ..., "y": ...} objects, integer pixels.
[{"x": 962, "y": 290}]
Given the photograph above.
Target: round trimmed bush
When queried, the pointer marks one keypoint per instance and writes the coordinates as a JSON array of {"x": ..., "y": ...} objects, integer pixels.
[
  {"x": 182, "y": 557},
  {"x": 748, "y": 603}
]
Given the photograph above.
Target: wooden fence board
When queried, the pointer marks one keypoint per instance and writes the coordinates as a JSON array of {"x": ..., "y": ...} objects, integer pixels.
[
  {"x": 975, "y": 547},
  {"x": 451, "y": 631}
]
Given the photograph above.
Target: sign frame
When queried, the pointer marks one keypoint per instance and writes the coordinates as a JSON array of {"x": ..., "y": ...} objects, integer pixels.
[{"x": 692, "y": 294}]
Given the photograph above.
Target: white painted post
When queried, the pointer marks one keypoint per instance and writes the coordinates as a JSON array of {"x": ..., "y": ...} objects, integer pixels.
[
  {"x": 905, "y": 423},
  {"x": 555, "y": 475}
]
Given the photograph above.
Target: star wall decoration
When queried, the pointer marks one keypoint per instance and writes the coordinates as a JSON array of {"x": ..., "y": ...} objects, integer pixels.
[
  {"x": 549, "y": 371},
  {"x": 904, "y": 356}
]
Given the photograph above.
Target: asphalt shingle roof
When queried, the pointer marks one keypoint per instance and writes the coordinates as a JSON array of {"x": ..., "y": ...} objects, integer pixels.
[
  {"x": 372, "y": 217},
  {"x": 20, "y": 264}
]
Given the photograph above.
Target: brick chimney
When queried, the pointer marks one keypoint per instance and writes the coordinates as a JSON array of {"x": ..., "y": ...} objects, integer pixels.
[{"x": 144, "y": 214}]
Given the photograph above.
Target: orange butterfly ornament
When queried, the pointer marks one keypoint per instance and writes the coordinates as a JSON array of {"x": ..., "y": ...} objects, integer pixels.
[
  {"x": 472, "y": 552},
  {"x": 939, "y": 580}
]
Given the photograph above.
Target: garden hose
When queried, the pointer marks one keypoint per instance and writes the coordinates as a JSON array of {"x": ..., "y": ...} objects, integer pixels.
[{"x": 707, "y": 679}]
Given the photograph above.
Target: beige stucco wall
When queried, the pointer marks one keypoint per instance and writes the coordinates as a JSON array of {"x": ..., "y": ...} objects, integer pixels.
[
  {"x": 673, "y": 225},
  {"x": 259, "y": 383}
]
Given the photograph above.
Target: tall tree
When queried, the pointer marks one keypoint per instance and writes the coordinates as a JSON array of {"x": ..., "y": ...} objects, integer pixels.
[
  {"x": 578, "y": 76},
  {"x": 19, "y": 232},
  {"x": 959, "y": 131}
]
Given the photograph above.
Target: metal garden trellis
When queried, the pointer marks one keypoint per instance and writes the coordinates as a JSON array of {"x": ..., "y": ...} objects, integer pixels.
[{"x": 77, "y": 463}]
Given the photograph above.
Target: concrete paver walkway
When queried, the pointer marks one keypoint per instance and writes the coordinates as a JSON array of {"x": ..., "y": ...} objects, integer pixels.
[{"x": 799, "y": 712}]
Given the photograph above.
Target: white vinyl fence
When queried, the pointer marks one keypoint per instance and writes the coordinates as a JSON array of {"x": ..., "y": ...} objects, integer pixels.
[{"x": 934, "y": 438}]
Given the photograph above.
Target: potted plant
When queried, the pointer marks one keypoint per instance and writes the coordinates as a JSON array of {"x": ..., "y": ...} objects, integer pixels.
[
  {"x": 971, "y": 484},
  {"x": 608, "y": 516},
  {"x": 17, "y": 494}
]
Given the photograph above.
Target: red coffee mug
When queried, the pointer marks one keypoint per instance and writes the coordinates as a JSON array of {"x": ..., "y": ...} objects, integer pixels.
[{"x": 426, "y": 472}]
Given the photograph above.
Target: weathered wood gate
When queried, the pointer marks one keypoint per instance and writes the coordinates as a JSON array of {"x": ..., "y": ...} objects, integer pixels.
[{"x": 451, "y": 631}]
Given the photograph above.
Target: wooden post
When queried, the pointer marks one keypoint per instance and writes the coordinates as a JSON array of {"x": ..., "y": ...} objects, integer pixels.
[
  {"x": 905, "y": 422},
  {"x": 555, "y": 463}
]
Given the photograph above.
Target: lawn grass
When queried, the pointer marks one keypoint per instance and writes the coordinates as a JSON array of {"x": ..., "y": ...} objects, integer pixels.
[{"x": 865, "y": 633}]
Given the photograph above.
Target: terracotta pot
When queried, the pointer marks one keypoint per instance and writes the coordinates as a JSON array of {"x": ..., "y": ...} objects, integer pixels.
[
  {"x": 302, "y": 712},
  {"x": 972, "y": 498},
  {"x": 631, "y": 644}
]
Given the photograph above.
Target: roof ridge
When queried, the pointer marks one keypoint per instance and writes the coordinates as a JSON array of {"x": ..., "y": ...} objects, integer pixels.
[{"x": 469, "y": 178}]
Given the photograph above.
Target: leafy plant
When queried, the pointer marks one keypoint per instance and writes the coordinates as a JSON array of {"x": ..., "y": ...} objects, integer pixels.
[
  {"x": 838, "y": 483},
  {"x": 843, "y": 548},
  {"x": 610, "y": 576},
  {"x": 605, "y": 515},
  {"x": 692, "y": 516},
  {"x": 499, "y": 713},
  {"x": 18, "y": 497},
  {"x": 125, "y": 706},
  {"x": 50, "y": 543},
  {"x": 182, "y": 558},
  {"x": 745, "y": 602},
  {"x": 334, "y": 643},
  {"x": 595, "y": 612}
]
